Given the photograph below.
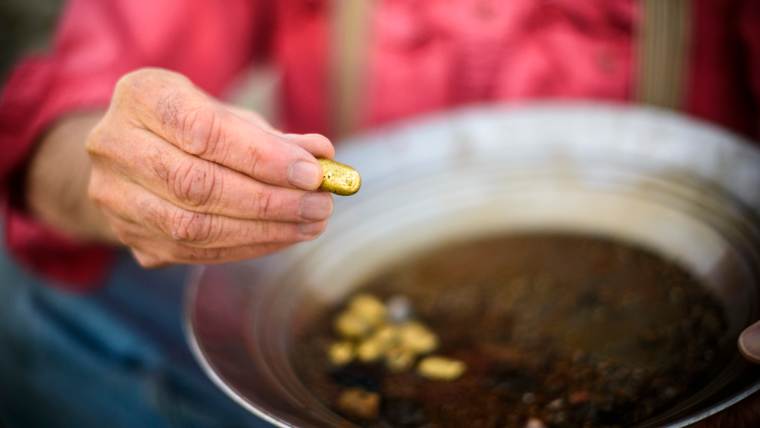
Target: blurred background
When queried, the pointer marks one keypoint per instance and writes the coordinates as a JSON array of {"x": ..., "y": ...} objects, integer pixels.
[{"x": 25, "y": 26}]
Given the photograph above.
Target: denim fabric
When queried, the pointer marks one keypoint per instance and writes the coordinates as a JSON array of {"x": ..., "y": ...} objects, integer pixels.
[{"x": 113, "y": 358}]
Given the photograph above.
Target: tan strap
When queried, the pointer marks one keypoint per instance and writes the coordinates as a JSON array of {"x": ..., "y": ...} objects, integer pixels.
[
  {"x": 350, "y": 31},
  {"x": 663, "y": 47}
]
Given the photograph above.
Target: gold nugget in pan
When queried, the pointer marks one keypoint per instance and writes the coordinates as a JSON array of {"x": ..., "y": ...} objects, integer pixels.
[{"x": 339, "y": 178}]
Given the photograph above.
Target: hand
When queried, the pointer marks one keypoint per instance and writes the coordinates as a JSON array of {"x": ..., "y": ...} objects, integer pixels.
[
  {"x": 183, "y": 178},
  {"x": 749, "y": 342}
]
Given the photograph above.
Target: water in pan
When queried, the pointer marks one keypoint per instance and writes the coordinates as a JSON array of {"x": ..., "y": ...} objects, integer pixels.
[{"x": 555, "y": 331}]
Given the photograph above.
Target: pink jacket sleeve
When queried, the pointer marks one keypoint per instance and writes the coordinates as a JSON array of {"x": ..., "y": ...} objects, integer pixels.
[{"x": 97, "y": 42}]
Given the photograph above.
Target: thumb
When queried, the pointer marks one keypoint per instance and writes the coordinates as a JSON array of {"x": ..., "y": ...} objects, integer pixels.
[{"x": 749, "y": 342}]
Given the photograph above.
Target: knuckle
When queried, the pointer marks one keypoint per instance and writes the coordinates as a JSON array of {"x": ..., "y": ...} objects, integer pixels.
[
  {"x": 134, "y": 82},
  {"x": 265, "y": 204},
  {"x": 153, "y": 213},
  {"x": 147, "y": 260},
  {"x": 122, "y": 235},
  {"x": 96, "y": 192},
  {"x": 253, "y": 158},
  {"x": 200, "y": 131},
  {"x": 169, "y": 110},
  {"x": 160, "y": 166},
  {"x": 127, "y": 83},
  {"x": 161, "y": 92},
  {"x": 133, "y": 85},
  {"x": 101, "y": 142},
  {"x": 188, "y": 226},
  {"x": 94, "y": 138},
  {"x": 194, "y": 183}
]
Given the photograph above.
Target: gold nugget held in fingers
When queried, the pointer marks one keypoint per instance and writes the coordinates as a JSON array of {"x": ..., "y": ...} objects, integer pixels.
[{"x": 339, "y": 178}]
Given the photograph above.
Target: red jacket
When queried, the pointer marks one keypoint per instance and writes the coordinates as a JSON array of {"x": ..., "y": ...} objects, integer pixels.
[{"x": 422, "y": 56}]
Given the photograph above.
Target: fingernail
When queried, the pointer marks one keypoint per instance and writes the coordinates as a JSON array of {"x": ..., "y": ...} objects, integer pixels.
[
  {"x": 305, "y": 175},
  {"x": 316, "y": 206},
  {"x": 311, "y": 229},
  {"x": 749, "y": 342}
]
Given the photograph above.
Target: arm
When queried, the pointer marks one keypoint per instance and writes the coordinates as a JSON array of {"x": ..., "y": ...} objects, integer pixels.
[
  {"x": 57, "y": 179},
  {"x": 96, "y": 43}
]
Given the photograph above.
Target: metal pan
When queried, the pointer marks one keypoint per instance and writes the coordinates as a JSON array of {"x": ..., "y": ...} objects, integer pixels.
[{"x": 684, "y": 189}]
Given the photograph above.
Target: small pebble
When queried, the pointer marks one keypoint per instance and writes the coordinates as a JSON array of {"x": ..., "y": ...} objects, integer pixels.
[
  {"x": 556, "y": 404},
  {"x": 399, "y": 308},
  {"x": 359, "y": 403},
  {"x": 340, "y": 353},
  {"x": 441, "y": 368},
  {"x": 578, "y": 397}
]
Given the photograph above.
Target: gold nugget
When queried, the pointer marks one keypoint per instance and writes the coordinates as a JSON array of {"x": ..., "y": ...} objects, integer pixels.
[
  {"x": 351, "y": 326},
  {"x": 417, "y": 338},
  {"x": 370, "y": 350},
  {"x": 387, "y": 335},
  {"x": 359, "y": 403},
  {"x": 339, "y": 178},
  {"x": 441, "y": 368},
  {"x": 340, "y": 353},
  {"x": 369, "y": 308}
]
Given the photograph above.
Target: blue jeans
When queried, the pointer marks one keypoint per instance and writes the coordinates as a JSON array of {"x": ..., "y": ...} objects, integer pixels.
[{"x": 116, "y": 357}]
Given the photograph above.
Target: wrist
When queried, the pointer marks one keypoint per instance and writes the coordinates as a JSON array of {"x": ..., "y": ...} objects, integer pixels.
[{"x": 57, "y": 177}]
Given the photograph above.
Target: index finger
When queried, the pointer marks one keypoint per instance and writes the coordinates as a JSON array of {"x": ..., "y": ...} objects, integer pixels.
[{"x": 186, "y": 117}]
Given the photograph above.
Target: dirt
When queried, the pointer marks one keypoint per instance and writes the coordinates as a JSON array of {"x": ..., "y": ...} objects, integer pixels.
[{"x": 559, "y": 330}]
